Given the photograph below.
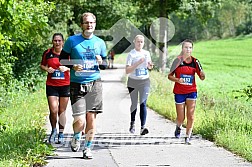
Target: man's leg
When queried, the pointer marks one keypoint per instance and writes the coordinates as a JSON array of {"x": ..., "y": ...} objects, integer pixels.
[
  {"x": 78, "y": 125},
  {"x": 78, "y": 103},
  {"x": 94, "y": 106},
  {"x": 90, "y": 128},
  {"x": 79, "y": 115}
]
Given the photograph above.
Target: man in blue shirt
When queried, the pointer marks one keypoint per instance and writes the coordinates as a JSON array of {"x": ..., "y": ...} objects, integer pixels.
[{"x": 84, "y": 52}]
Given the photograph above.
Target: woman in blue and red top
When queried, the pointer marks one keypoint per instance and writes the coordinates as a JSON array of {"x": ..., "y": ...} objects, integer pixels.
[
  {"x": 184, "y": 68},
  {"x": 57, "y": 86}
]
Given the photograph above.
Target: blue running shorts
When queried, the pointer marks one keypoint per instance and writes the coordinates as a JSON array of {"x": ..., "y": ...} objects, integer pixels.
[{"x": 181, "y": 98}]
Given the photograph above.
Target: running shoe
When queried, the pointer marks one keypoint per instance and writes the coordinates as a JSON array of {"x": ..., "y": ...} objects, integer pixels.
[
  {"x": 144, "y": 131},
  {"x": 52, "y": 136},
  {"x": 75, "y": 145},
  {"x": 60, "y": 138},
  {"x": 177, "y": 132},
  {"x": 87, "y": 153},
  {"x": 132, "y": 128},
  {"x": 187, "y": 141}
]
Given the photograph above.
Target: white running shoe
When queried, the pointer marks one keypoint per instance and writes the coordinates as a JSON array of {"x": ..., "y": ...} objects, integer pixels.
[
  {"x": 75, "y": 145},
  {"x": 87, "y": 153},
  {"x": 187, "y": 141},
  {"x": 132, "y": 127}
]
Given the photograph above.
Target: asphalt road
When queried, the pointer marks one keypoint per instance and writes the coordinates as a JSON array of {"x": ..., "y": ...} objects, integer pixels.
[{"x": 114, "y": 146}]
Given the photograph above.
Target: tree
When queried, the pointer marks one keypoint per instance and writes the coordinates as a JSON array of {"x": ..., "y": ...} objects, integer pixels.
[
  {"x": 23, "y": 25},
  {"x": 140, "y": 13},
  {"x": 163, "y": 8}
]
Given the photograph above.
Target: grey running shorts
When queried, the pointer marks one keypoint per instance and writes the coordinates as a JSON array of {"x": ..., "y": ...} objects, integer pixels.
[{"x": 86, "y": 97}]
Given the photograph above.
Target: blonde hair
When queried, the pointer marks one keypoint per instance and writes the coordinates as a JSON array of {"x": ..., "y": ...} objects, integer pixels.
[
  {"x": 138, "y": 36},
  {"x": 85, "y": 15}
]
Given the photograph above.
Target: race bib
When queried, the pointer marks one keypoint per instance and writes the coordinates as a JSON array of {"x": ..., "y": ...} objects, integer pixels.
[
  {"x": 141, "y": 71},
  {"x": 188, "y": 79},
  {"x": 88, "y": 69},
  {"x": 88, "y": 64},
  {"x": 58, "y": 75}
]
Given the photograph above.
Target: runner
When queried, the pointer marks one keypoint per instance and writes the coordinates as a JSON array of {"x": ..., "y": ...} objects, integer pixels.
[
  {"x": 57, "y": 86},
  {"x": 86, "y": 52},
  {"x": 137, "y": 65},
  {"x": 184, "y": 68}
]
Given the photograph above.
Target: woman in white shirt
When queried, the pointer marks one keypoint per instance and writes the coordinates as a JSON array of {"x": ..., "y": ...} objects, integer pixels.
[{"x": 137, "y": 65}]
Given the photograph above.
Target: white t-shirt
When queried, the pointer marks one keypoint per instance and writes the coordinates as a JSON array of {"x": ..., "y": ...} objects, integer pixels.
[{"x": 141, "y": 72}]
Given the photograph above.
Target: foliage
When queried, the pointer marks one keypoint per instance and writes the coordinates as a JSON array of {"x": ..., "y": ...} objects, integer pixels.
[
  {"x": 190, "y": 32},
  {"x": 212, "y": 19},
  {"x": 22, "y": 139},
  {"x": 117, "y": 10},
  {"x": 192, "y": 19},
  {"x": 23, "y": 25},
  {"x": 245, "y": 92},
  {"x": 231, "y": 15},
  {"x": 244, "y": 29}
]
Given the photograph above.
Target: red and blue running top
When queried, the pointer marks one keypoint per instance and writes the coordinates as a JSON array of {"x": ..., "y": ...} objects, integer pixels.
[
  {"x": 58, "y": 78},
  {"x": 185, "y": 70}
]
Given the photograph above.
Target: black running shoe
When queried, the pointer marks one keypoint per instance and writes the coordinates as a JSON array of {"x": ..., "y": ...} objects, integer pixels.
[
  {"x": 177, "y": 132},
  {"x": 144, "y": 131}
]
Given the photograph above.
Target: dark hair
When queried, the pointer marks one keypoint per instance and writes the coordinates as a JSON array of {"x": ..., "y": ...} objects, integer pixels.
[
  {"x": 58, "y": 34},
  {"x": 187, "y": 40}
]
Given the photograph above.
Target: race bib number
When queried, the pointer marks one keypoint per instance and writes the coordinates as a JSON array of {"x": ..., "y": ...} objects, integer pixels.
[
  {"x": 58, "y": 75},
  {"x": 88, "y": 65},
  {"x": 88, "y": 69},
  {"x": 141, "y": 71},
  {"x": 188, "y": 79}
]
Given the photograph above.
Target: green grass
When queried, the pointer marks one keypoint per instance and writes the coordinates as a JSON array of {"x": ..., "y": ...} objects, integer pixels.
[
  {"x": 226, "y": 62},
  {"x": 22, "y": 134}
]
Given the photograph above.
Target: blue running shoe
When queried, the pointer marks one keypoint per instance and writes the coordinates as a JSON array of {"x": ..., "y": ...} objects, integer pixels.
[
  {"x": 60, "y": 138},
  {"x": 177, "y": 132},
  {"x": 52, "y": 136}
]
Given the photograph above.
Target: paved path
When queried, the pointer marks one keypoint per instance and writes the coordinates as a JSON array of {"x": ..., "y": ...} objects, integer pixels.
[{"x": 114, "y": 146}]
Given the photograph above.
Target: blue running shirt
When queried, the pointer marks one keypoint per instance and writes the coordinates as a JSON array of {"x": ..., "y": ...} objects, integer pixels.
[{"x": 83, "y": 51}]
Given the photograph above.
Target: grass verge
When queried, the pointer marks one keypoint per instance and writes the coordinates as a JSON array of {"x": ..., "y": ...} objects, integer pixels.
[{"x": 22, "y": 131}]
